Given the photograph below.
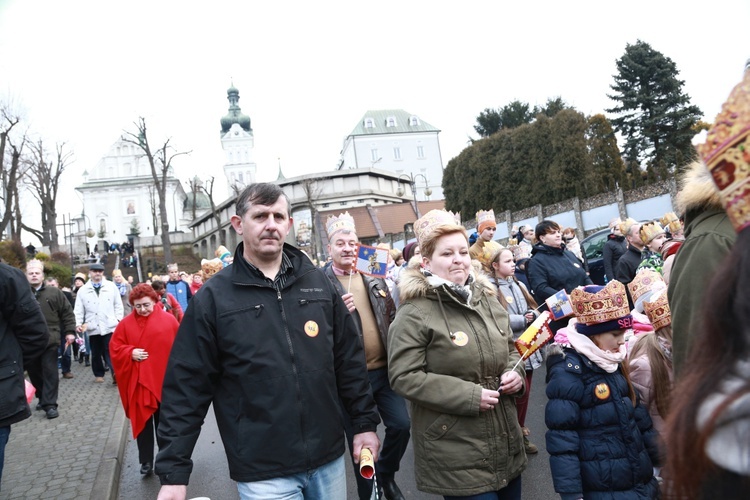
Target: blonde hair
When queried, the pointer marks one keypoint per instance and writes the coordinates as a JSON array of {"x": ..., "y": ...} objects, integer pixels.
[{"x": 427, "y": 247}]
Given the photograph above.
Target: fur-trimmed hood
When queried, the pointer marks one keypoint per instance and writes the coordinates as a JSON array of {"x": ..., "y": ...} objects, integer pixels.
[
  {"x": 414, "y": 284},
  {"x": 697, "y": 190}
]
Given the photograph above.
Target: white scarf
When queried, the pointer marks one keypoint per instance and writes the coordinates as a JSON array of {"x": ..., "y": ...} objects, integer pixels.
[{"x": 607, "y": 361}]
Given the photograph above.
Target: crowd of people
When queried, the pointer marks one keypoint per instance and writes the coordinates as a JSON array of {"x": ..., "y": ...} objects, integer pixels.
[{"x": 647, "y": 377}]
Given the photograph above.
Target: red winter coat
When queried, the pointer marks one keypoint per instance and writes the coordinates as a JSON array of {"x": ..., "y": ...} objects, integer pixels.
[{"x": 140, "y": 382}]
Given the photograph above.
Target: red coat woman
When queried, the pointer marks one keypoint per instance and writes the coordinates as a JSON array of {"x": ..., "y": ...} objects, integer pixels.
[{"x": 140, "y": 348}]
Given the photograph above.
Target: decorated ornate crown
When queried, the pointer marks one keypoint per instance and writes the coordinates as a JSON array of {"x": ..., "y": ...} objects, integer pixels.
[
  {"x": 342, "y": 222},
  {"x": 426, "y": 225},
  {"x": 486, "y": 252},
  {"x": 727, "y": 153},
  {"x": 658, "y": 311},
  {"x": 645, "y": 283},
  {"x": 626, "y": 225},
  {"x": 35, "y": 264},
  {"x": 649, "y": 231},
  {"x": 604, "y": 304}
]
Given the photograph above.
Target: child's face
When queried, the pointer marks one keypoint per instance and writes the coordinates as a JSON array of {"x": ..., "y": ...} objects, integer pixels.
[{"x": 609, "y": 341}]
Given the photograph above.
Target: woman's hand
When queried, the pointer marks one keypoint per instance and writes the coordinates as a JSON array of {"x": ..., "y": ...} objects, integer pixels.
[
  {"x": 489, "y": 400},
  {"x": 511, "y": 382},
  {"x": 139, "y": 354}
]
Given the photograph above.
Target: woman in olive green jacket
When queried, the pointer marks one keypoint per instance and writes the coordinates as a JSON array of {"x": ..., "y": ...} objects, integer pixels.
[{"x": 450, "y": 352}]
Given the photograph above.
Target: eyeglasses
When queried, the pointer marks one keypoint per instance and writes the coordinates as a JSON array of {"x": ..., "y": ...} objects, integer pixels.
[
  {"x": 149, "y": 305},
  {"x": 568, "y": 238}
]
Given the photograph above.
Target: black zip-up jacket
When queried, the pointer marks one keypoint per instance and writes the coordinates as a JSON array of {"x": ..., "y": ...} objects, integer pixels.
[
  {"x": 383, "y": 307},
  {"x": 274, "y": 365},
  {"x": 57, "y": 312},
  {"x": 23, "y": 338}
]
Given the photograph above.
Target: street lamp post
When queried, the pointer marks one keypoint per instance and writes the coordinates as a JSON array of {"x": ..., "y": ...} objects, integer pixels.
[{"x": 412, "y": 178}]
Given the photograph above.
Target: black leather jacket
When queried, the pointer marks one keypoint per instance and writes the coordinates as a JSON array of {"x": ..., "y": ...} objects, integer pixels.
[{"x": 381, "y": 302}]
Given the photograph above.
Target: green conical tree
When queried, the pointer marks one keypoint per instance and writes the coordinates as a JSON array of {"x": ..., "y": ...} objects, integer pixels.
[
  {"x": 608, "y": 167},
  {"x": 653, "y": 114}
]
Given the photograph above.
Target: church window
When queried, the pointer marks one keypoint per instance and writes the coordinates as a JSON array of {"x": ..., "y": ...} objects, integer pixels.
[
  {"x": 413, "y": 121},
  {"x": 239, "y": 177},
  {"x": 369, "y": 123},
  {"x": 420, "y": 151},
  {"x": 374, "y": 154},
  {"x": 397, "y": 153},
  {"x": 391, "y": 121}
]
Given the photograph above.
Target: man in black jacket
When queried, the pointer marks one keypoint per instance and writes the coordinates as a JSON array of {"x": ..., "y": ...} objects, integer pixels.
[
  {"x": 628, "y": 263},
  {"x": 371, "y": 304},
  {"x": 23, "y": 338},
  {"x": 271, "y": 344},
  {"x": 61, "y": 322},
  {"x": 613, "y": 249}
]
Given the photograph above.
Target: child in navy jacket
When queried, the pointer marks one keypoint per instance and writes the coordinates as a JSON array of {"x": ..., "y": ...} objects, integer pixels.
[{"x": 600, "y": 438}]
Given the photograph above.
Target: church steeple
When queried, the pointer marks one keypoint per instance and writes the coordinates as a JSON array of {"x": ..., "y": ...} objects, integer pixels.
[{"x": 235, "y": 113}]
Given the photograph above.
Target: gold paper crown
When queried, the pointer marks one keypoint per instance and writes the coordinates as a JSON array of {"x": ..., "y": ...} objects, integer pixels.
[
  {"x": 342, "y": 222},
  {"x": 645, "y": 281},
  {"x": 486, "y": 251},
  {"x": 649, "y": 231},
  {"x": 606, "y": 304},
  {"x": 426, "y": 225},
  {"x": 658, "y": 311},
  {"x": 35, "y": 264},
  {"x": 485, "y": 216},
  {"x": 726, "y": 153},
  {"x": 671, "y": 222},
  {"x": 626, "y": 225}
]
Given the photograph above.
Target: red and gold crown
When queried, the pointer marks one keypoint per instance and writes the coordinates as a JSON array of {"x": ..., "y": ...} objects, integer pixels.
[
  {"x": 426, "y": 225},
  {"x": 342, "y": 222},
  {"x": 649, "y": 231},
  {"x": 645, "y": 284},
  {"x": 595, "y": 304},
  {"x": 644, "y": 281},
  {"x": 658, "y": 311},
  {"x": 726, "y": 153}
]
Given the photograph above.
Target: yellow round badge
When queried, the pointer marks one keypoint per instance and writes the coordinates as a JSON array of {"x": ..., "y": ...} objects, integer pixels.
[
  {"x": 601, "y": 391},
  {"x": 509, "y": 299},
  {"x": 460, "y": 339},
  {"x": 311, "y": 329}
]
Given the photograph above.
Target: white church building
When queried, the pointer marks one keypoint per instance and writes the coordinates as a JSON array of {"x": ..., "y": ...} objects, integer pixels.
[{"x": 119, "y": 194}]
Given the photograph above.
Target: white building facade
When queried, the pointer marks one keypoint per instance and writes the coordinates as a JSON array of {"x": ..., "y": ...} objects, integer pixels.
[
  {"x": 120, "y": 190},
  {"x": 398, "y": 142},
  {"x": 237, "y": 141}
]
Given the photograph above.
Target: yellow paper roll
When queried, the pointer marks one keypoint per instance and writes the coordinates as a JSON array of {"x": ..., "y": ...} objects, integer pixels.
[{"x": 366, "y": 464}]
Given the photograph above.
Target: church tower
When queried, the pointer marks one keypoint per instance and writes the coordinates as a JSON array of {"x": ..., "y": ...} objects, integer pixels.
[{"x": 237, "y": 141}]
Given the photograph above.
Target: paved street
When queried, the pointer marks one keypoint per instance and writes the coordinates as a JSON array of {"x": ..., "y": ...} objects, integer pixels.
[
  {"x": 76, "y": 455},
  {"x": 73, "y": 456},
  {"x": 210, "y": 476}
]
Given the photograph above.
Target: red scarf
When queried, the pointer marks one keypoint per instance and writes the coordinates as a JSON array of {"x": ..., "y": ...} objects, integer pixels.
[{"x": 140, "y": 382}]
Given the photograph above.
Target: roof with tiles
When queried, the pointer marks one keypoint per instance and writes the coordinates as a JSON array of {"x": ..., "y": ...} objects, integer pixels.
[
  {"x": 376, "y": 122},
  {"x": 391, "y": 218}
]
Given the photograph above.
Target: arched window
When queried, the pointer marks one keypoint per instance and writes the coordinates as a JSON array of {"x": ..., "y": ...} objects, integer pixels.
[
  {"x": 369, "y": 123},
  {"x": 413, "y": 121},
  {"x": 391, "y": 121}
]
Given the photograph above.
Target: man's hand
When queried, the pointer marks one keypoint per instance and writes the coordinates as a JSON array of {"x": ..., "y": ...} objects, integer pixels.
[
  {"x": 349, "y": 301},
  {"x": 172, "y": 492},
  {"x": 365, "y": 440}
]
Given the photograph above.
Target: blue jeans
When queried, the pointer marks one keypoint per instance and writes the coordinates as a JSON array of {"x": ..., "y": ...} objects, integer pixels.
[
  {"x": 327, "y": 482},
  {"x": 510, "y": 492},
  {"x": 4, "y": 433},
  {"x": 392, "y": 409}
]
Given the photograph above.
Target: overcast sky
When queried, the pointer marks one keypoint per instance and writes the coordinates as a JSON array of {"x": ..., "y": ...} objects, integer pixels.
[{"x": 83, "y": 71}]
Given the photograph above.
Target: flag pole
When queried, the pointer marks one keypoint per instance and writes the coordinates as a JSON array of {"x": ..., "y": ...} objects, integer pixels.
[{"x": 519, "y": 361}]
